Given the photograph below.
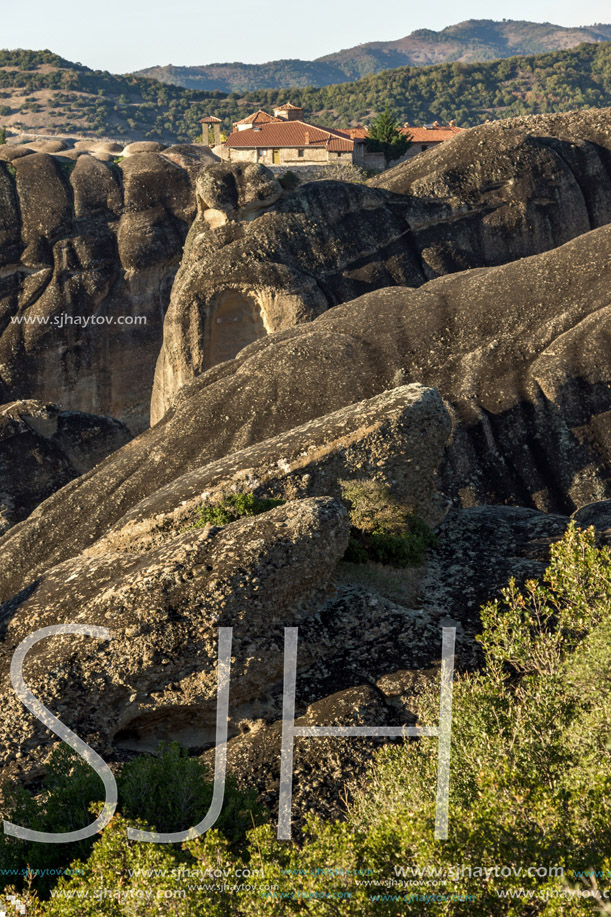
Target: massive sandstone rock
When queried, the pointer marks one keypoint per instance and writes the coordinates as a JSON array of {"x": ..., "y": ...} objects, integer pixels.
[
  {"x": 258, "y": 261},
  {"x": 520, "y": 351},
  {"x": 158, "y": 674},
  {"x": 42, "y": 448},
  {"x": 507, "y": 189},
  {"x": 396, "y": 438},
  {"x": 254, "y": 264},
  {"x": 96, "y": 241}
]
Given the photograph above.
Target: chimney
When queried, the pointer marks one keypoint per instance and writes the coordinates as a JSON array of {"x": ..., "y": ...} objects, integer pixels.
[
  {"x": 452, "y": 123},
  {"x": 307, "y": 138}
]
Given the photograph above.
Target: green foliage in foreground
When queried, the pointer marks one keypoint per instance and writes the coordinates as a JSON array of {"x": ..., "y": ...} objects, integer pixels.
[
  {"x": 383, "y": 529},
  {"x": 167, "y": 792},
  {"x": 530, "y": 788}
]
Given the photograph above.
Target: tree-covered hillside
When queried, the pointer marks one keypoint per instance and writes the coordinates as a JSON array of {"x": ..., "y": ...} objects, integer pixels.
[
  {"x": 40, "y": 92},
  {"x": 468, "y": 42}
]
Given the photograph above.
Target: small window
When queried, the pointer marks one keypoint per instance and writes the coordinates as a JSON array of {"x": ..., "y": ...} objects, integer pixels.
[{"x": 300, "y": 153}]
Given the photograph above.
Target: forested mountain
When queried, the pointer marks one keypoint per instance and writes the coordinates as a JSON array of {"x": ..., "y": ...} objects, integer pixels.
[
  {"x": 466, "y": 42},
  {"x": 41, "y": 92}
]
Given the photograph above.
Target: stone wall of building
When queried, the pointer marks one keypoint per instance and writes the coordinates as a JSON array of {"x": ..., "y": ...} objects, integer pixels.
[{"x": 289, "y": 156}]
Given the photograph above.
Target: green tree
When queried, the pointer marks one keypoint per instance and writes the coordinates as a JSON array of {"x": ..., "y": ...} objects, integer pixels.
[{"x": 385, "y": 136}]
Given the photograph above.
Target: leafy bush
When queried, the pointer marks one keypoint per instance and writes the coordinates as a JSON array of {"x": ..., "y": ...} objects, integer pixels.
[
  {"x": 233, "y": 507},
  {"x": 383, "y": 530},
  {"x": 168, "y": 792},
  {"x": 288, "y": 180},
  {"x": 173, "y": 791}
]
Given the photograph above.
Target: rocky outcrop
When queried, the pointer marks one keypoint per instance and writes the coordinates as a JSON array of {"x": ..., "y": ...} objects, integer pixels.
[
  {"x": 257, "y": 261},
  {"x": 520, "y": 352},
  {"x": 88, "y": 254},
  {"x": 396, "y": 438},
  {"x": 43, "y": 447},
  {"x": 507, "y": 189},
  {"x": 157, "y": 676},
  {"x": 256, "y": 264}
]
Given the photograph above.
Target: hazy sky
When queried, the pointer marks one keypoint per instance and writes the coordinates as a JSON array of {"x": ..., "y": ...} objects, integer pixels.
[{"x": 123, "y": 35}]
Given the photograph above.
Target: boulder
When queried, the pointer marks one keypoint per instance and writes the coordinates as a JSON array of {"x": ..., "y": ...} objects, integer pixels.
[
  {"x": 99, "y": 146},
  {"x": 191, "y": 156},
  {"x": 143, "y": 146},
  {"x": 42, "y": 448},
  {"x": 396, "y": 439},
  {"x": 103, "y": 157},
  {"x": 10, "y": 153},
  {"x": 48, "y": 146},
  {"x": 158, "y": 674}
]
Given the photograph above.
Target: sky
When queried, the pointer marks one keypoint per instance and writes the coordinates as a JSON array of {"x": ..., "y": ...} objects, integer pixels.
[{"x": 125, "y": 35}]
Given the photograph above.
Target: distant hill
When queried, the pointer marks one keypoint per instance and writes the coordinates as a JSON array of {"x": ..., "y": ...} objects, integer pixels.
[
  {"x": 472, "y": 41},
  {"x": 44, "y": 93}
]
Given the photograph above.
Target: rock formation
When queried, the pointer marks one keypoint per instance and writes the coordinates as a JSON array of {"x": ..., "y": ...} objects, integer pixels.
[
  {"x": 507, "y": 189},
  {"x": 520, "y": 352},
  {"x": 164, "y": 607},
  {"x": 257, "y": 261},
  {"x": 90, "y": 242},
  {"x": 479, "y": 397},
  {"x": 42, "y": 448},
  {"x": 366, "y": 440}
]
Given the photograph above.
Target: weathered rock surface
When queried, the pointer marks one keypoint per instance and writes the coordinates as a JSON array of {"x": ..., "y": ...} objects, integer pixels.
[
  {"x": 520, "y": 351},
  {"x": 492, "y": 194},
  {"x": 43, "y": 447},
  {"x": 372, "y": 655},
  {"x": 190, "y": 156},
  {"x": 507, "y": 189},
  {"x": 258, "y": 261},
  {"x": 396, "y": 438},
  {"x": 599, "y": 515},
  {"x": 88, "y": 242},
  {"x": 164, "y": 607}
]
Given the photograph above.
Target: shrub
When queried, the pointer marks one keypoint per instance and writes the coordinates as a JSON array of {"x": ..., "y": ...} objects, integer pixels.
[
  {"x": 383, "y": 530},
  {"x": 288, "y": 180},
  {"x": 173, "y": 791},
  {"x": 232, "y": 507},
  {"x": 167, "y": 792}
]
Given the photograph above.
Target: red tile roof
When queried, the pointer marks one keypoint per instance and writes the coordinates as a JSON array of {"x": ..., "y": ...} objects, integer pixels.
[
  {"x": 288, "y": 106},
  {"x": 290, "y": 134},
  {"x": 437, "y": 133},
  {"x": 258, "y": 117},
  {"x": 211, "y": 120}
]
